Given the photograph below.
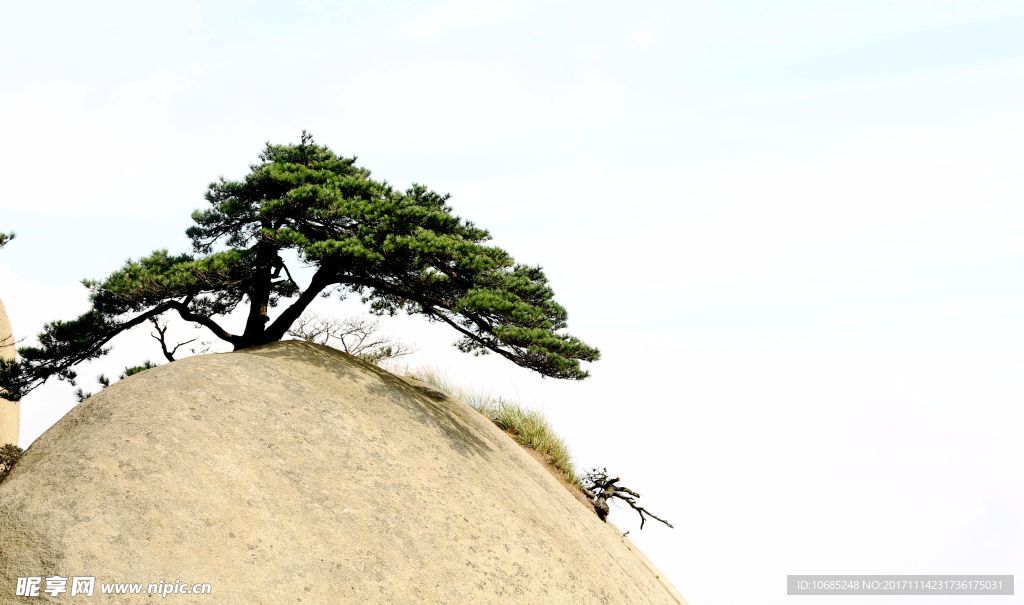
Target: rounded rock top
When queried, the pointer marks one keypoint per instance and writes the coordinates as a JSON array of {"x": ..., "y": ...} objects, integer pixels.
[{"x": 293, "y": 471}]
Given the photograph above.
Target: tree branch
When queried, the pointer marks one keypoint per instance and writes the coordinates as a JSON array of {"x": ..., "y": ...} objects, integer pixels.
[
  {"x": 276, "y": 330},
  {"x": 289, "y": 275},
  {"x": 38, "y": 373},
  {"x": 188, "y": 315},
  {"x": 161, "y": 337},
  {"x": 643, "y": 511},
  {"x": 432, "y": 309}
]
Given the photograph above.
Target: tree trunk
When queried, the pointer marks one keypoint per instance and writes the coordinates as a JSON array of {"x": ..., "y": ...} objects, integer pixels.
[
  {"x": 276, "y": 331},
  {"x": 259, "y": 298}
]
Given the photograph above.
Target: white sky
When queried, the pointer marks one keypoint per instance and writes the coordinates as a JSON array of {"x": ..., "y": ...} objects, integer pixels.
[{"x": 794, "y": 229}]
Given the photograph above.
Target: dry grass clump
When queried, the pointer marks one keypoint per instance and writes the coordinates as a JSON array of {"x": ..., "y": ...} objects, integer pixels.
[{"x": 528, "y": 427}]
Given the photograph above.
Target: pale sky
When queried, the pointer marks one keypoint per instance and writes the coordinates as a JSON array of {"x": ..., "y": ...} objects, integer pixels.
[{"x": 794, "y": 229}]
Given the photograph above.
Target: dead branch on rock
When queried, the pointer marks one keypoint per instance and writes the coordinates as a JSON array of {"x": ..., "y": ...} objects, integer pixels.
[{"x": 601, "y": 489}]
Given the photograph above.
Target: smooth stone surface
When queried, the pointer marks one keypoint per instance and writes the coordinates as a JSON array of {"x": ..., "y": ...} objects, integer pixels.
[
  {"x": 6, "y": 335},
  {"x": 10, "y": 412}
]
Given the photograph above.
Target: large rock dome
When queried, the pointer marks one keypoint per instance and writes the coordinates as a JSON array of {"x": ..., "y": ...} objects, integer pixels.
[{"x": 293, "y": 473}]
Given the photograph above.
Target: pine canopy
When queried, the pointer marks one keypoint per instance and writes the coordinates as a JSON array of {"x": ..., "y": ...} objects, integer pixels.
[{"x": 397, "y": 250}]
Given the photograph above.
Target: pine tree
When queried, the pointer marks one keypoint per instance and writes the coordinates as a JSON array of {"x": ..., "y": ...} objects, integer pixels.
[{"x": 397, "y": 250}]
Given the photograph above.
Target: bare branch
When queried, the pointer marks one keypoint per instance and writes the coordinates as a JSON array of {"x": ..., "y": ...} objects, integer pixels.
[
  {"x": 10, "y": 340},
  {"x": 355, "y": 336},
  {"x": 161, "y": 337},
  {"x": 602, "y": 489}
]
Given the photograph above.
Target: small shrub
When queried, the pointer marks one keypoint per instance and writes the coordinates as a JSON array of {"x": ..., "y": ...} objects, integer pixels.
[{"x": 9, "y": 455}]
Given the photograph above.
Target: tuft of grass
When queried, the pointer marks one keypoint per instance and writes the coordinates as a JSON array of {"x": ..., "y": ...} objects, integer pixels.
[
  {"x": 532, "y": 430},
  {"x": 528, "y": 427}
]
